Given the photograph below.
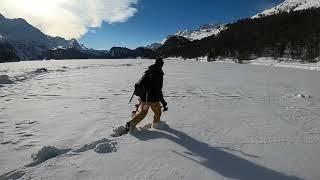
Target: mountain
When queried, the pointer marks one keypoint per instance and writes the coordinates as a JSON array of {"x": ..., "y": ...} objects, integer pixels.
[
  {"x": 7, "y": 53},
  {"x": 203, "y": 31},
  {"x": 290, "y": 5},
  {"x": 61, "y": 43},
  {"x": 290, "y": 35},
  {"x": 70, "y": 53},
  {"x": 172, "y": 45},
  {"x": 21, "y": 41},
  {"x": 142, "y": 52},
  {"x": 29, "y": 42},
  {"x": 175, "y": 41},
  {"x": 122, "y": 53},
  {"x": 154, "y": 46}
]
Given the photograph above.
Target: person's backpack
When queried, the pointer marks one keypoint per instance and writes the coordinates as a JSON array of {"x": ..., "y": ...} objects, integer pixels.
[{"x": 143, "y": 85}]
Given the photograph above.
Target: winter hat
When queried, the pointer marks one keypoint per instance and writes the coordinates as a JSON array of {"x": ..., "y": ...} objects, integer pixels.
[{"x": 159, "y": 62}]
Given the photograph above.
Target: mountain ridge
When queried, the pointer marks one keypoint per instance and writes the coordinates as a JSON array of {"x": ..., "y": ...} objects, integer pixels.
[
  {"x": 291, "y": 35},
  {"x": 29, "y": 42},
  {"x": 22, "y": 41},
  {"x": 288, "y": 6},
  {"x": 202, "y": 32}
]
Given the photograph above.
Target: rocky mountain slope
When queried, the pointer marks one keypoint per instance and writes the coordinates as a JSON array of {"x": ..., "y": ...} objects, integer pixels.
[
  {"x": 29, "y": 42},
  {"x": 290, "y": 5}
]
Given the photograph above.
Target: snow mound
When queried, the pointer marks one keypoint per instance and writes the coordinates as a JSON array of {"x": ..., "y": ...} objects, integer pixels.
[
  {"x": 12, "y": 175},
  {"x": 25, "y": 75},
  {"x": 4, "y": 79},
  {"x": 286, "y": 63},
  {"x": 92, "y": 145},
  {"x": 108, "y": 147},
  {"x": 63, "y": 69},
  {"x": 304, "y": 96},
  {"x": 40, "y": 70},
  {"x": 119, "y": 131},
  {"x": 46, "y": 153}
]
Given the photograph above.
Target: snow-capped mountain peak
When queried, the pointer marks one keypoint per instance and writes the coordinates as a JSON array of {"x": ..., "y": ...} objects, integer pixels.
[
  {"x": 290, "y": 5},
  {"x": 154, "y": 46},
  {"x": 28, "y": 41},
  {"x": 84, "y": 47},
  {"x": 74, "y": 44},
  {"x": 203, "y": 31},
  {"x": 1, "y": 16}
]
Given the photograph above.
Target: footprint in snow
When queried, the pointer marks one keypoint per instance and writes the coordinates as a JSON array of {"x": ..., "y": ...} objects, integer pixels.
[
  {"x": 119, "y": 131},
  {"x": 101, "y": 146},
  {"x": 108, "y": 147}
]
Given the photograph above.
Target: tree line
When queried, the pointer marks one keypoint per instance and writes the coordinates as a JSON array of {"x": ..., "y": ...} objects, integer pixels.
[{"x": 294, "y": 35}]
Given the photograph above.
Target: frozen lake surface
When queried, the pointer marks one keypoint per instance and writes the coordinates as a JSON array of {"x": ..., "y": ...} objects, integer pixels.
[{"x": 226, "y": 121}]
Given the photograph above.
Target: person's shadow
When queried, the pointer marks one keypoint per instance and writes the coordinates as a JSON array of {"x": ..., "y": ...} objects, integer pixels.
[{"x": 222, "y": 162}]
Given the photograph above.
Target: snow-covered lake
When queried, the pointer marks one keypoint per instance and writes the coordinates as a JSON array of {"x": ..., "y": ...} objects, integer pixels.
[{"x": 226, "y": 121}]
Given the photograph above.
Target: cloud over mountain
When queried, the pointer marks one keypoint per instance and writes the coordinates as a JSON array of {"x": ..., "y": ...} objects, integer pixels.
[{"x": 69, "y": 18}]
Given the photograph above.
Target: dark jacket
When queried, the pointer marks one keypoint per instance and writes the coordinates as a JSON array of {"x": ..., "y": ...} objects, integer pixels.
[{"x": 155, "y": 86}]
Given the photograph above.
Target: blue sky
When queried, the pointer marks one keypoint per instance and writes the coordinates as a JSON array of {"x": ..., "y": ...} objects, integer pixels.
[{"x": 155, "y": 19}]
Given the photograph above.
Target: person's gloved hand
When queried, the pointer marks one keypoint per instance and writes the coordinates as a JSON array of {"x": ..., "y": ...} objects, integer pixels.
[{"x": 165, "y": 108}]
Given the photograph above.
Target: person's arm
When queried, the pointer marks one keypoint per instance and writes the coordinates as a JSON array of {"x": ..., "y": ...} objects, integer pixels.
[{"x": 163, "y": 102}]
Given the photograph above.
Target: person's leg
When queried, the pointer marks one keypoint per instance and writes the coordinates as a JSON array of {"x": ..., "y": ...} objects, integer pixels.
[
  {"x": 140, "y": 115},
  {"x": 133, "y": 114},
  {"x": 156, "y": 108}
]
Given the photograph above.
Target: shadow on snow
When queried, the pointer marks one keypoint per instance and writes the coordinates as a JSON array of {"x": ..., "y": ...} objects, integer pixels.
[{"x": 224, "y": 163}]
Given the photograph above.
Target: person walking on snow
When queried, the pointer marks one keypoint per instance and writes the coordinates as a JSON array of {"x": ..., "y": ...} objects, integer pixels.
[{"x": 150, "y": 96}]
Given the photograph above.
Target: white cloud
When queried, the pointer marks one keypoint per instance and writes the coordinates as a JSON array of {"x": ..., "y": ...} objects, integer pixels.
[{"x": 68, "y": 18}]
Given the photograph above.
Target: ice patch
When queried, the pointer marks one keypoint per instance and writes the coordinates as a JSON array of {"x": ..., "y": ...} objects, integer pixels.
[
  {"x": 4, "y": 79},
  {"x": 108, "y": 147},
  {"x": 46, "y": 153}
]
